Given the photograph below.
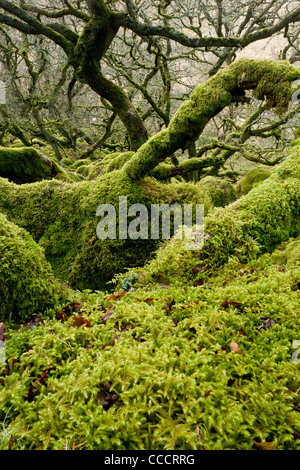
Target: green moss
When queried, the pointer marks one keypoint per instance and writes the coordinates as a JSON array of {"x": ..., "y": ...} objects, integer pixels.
[
  {"x": 267, "y": 216},
  {"x": 287, "y": 253},
  {"x": 253, "y": 177},
  {"x": 27, "y": 284},
  {"x": 66, "y": 162},
  {"x": 83, "y": 170},
  {"x": 62, "y": 218},
  {"x": 170, "y": 369},
  {"x": 79, "y": 163},
  {"x": 221, "y": 191},
  {"x": 16, "y": 144},
  {"x": 23, "y": 165},
  {"x": 117, "y": 162}
]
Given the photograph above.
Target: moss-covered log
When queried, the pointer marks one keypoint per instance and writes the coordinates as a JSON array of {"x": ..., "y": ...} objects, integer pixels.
[
  {"x": 25, "y": 165},
  {"x": 270, "y": 80}
]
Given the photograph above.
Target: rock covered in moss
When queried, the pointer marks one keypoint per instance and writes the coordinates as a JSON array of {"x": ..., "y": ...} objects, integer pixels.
[
  {"x": 221, "y": 191},
  {"x": 27, "y": 284},
  {"x": 253, "y": 177},
  {"x": 25, "y": 165}
]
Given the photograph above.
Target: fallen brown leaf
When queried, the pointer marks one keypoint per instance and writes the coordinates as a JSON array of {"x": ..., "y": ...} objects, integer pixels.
[
  {"x": 235, "y": 347},
  {"x": 264, "y": 445},
  {"x": 116, "y": 296},
  {"x": 80, "y": 321}
]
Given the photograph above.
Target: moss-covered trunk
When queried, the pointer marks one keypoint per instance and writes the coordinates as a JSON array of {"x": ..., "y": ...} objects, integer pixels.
[
  {"x": 270, "y": 80},
  {"x": 92, "y": 45},
  {"x": 254, "y": 224},
  {"x": 62, "y": 218}
]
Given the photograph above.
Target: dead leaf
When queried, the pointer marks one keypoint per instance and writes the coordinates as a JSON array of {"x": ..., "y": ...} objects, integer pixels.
[
  {"x": 235, "y": 347},
  {"x": 31, "y": 396},
  {"x": 226, "y": 303},
  {"x": 264, "y": 445},
  {"x": 198, "y": 269},
  {"x": 67, "y": 311},
  {"x": 116, "y": 296},
  {"x": 107, "y": 315},
  {"x": 106, "y": 397},
  {"x": 241, "y": 332},
  {"x": 266, "y": 324},
  {"x": 167, "y": 308},
  {"x": 80, "y": 321},
  {"x": 112, "y": 342}
]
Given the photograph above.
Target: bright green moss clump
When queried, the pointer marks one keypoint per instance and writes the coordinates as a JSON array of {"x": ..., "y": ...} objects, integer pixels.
[
  {"x": 253, "y": 177},
  {"x": 27, "y": 284},
  {"x": 287, "y": 253}
]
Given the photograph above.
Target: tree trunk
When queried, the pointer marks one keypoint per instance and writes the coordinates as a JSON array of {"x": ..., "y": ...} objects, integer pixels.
[
  {"x": 121, "y": 104},
  {"x": 92, "y": 45},
  {"x": 270, "y": 80}
]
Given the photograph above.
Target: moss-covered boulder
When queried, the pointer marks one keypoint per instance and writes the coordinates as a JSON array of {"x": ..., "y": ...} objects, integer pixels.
[
  {"x": 252, "y": 178},
  {"x": 221, "y": 191},
  {"x": 25, "y": 165},
  {"x": 27, "y": 284}
]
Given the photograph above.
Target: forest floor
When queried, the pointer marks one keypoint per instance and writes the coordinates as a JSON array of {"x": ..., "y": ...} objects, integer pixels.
[{"x": 172, "y": 358}]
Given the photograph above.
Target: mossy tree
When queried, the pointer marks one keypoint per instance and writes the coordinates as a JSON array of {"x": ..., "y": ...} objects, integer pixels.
[
  {"x": 62, "y": 216},
  {"x": 99, "y": 23}
]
